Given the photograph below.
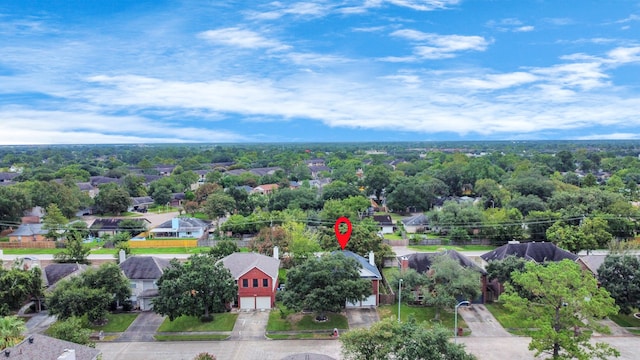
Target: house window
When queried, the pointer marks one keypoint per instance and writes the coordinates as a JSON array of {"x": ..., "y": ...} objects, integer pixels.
[
  {"x": 133, "y": 285},
  {"x": 245, "y": 283},
  {"x": 265, "y": 282},
  {"x": 255, "y": 282}
]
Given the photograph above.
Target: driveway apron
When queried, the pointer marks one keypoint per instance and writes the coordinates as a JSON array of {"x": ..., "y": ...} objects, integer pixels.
[
  {"x": 481, "y": 322},
  {"x": 143, "y": 328},
  {"x": 250, "y": 325},
  {"x": 361, "y": 317}
]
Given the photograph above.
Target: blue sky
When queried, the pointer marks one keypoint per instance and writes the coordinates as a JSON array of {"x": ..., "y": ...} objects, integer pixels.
[{"x": 94, "y": 71}]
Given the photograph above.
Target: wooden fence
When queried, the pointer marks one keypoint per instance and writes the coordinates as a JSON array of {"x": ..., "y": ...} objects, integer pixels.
[
  {"x": 28, "y": 245},
  {"x": 163, "y": 243}
]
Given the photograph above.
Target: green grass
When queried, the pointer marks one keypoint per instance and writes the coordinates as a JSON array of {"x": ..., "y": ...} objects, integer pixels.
[
  {"x": 116, "y": 322},
  {"x": 299, "y": 336},
  {"x": 421, "y": 314},
  {"x": 452, "y": 247},
  {"x": 143, "y": 251},
  {"x": 393, "y": 236},
  {"x": 625, "y": 320},
  {"x": 221, "y": 322},
  {"x": 4, "y": 239},
  {"x": 507, "y": 321},
  {"x": 29, "y": 251},
  {"x": 295, "y": 321},
  {"x": 194, "y": 337},
  {"x": 390, "y": 273}
]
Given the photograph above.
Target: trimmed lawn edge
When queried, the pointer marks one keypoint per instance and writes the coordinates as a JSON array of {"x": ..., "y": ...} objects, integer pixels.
[{"x": 191, "y": 337}]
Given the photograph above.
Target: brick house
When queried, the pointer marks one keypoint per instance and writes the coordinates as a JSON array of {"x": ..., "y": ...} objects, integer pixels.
[{"x": 257, "y": 278}]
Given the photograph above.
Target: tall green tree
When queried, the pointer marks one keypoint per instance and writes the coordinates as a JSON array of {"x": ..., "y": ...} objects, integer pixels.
[
  {"x": 73, "y": 298},
  {"x": 112, "y": 199},
  {"x": 388, "y": 339},
  {"x": 376, "y": 179},
  {"x": 54, "y": 222},
  {"x": 564, "y": 298},
  {"x": 75, "y": 250},
  {"x": 325, "y": 284},
  {"x": 72, "y": 329},
  {"x": 620, "y": 275},
  {"x": 199, "y": 287},
  {"x": 449, "y": 281},
  {"x": 18, "y": 285}
]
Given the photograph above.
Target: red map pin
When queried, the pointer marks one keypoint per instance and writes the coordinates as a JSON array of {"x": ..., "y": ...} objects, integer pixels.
[{"x": 343, "y": 239}]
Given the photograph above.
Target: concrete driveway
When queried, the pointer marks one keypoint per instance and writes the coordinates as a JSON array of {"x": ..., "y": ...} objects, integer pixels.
[
  {"x": 481, "y": 322},
  {"x": 250, "y": 325},
  {"x": 362, "y": 317},
  {"x": 143, "y": 328}
]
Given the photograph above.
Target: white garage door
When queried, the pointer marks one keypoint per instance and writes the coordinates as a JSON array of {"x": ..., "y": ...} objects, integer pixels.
[
  {"x": 263, "y": 302},
  {"x": 247, "y": 303},
  {"x": 370, "y": 301},
  {"x": 260, "y": 302}
]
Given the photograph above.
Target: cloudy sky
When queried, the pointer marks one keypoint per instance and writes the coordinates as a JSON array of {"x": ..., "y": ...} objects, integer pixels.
[{"x": 149, "y": 71}]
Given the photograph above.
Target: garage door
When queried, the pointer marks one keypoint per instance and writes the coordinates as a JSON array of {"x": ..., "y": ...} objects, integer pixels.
[
  {"x": 247, "y": 303},
  {"x": 263, "y": 302},
  {"x": 251, "y": 303},
  {"x": 370, "y": 301}
]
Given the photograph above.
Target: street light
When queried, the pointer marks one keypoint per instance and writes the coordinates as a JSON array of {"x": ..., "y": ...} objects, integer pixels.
[
  {"x": 399, "y": 297},
  {"x": 455, "y": 321}
]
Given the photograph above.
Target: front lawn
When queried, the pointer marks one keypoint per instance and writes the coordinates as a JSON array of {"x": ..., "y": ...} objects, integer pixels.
[
  {"x": 116, "y": 322},
  {"x": 421, "y": 314},
  {"x": 143, "y": 251},
  {"x": 283, "y": 319},
  {"x": 31, "y": 251},
  {"x": 625, "y": 320},
  {"x": 221, "y": 322},
  {"x": 509, "y": 322},
  {"x": 191, "y": 337},
  {"x": 452, "y": 247}
]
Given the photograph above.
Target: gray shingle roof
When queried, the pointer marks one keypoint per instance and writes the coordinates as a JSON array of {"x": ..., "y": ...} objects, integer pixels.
[
  {"x": 47, "y": 348},
  {"x": 370, "y": 271},
  {"x": 241, "y": 263},
  {"x": 184, "y": 224},
  {"x": 29, "y": 230},
  {"x": 143, "y": 267},
  {"x": 415, "y": 220},
  {"x": 534, "y": 251},
  {"x": 421, "y": 262},
  {"x": 56, "y": 272}
]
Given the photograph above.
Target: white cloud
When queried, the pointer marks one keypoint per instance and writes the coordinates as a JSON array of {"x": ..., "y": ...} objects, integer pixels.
[
  {"x": 30, "y": 126},
  {"x": 299, "y": 9},
  {"x": 614, "y": 136},
  {"x": 623, "y": 55},
  {"x": 526, "y": 28},
  {"x": 510, "y": 24},
  {"x": 434, "y": 46},
  {"x": 494, "y": 81},
  {"x": 425, "y": 5},
  {"x": 242, "y": 38}
]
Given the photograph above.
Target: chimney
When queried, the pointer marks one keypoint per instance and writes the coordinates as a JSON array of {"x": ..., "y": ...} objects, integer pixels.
[
  {"x": 372, "y": 259},
  {"x": 68, "y": 354},
  {"x": 276, "y": 252},
  {"x": 404, "y": 263},
  {"x": 122, "y": 256}
]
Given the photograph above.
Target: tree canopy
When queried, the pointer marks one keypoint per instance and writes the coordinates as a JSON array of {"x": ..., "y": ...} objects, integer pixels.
[
  {"x": 620, "y": 275},
  {"x": 565, "y": 301}
]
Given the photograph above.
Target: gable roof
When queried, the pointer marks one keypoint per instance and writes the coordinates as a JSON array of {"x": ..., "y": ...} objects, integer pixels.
[
  {"x": 240, "y": 263},
  {"x": 421, "y": 262},
  {"x": 113, "y": 223},
  {"x": 42, "y": 347},
  {"x": 144, "y": 267},
  {"x": 366, "y": 270},
  {"x": 593, "y": 262},
  {"x": 55, "y": 272},
  {"x": 141, "y": 200},
  {"x": 383, "y": 220},
  {"x": 533, "y": 251}
]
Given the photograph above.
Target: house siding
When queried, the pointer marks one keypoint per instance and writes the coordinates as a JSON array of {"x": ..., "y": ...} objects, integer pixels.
[{"x": 260, "y": 290}]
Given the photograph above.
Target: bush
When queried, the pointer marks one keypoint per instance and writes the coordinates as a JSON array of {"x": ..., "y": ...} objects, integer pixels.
[
  {"x": 61, "y": 245},
  {"x": 205, "y": 356},
  {"x": 206, "y": 318}
]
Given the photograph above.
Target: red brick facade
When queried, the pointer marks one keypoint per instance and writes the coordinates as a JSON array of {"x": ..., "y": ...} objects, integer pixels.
[{"x": 252, "y": 283}]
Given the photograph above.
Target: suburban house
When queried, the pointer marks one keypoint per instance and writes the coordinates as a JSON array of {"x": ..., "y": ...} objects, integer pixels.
[
  {"x": 257, "y": 279},
  {"x": 42, "y": 347},
  {"x": 265, "y": 170},
  {"x": 539, "y": 252},
  {"x": 532, "y": 251},
  {"x": 385, "y": 222},
  {"x": 28, "y": 233},
  {"x": 110, "y": 226},
  {"x": 140, "y": 203},
  {"x": 591, "y": 263},
  {"x": 7, "y": 177},
  {"x": 265, "y": 189},
  {"x": 421, "y": 262},
  {"x": 415, "y": 224},
  {"x": 143, "y": 272},
  {"x": 181, "y": 227},
  {"x": 369, "y": 271},
  {"x": 55, "y": 272}
]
